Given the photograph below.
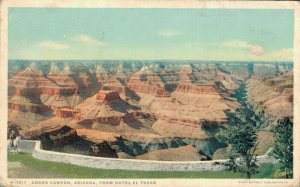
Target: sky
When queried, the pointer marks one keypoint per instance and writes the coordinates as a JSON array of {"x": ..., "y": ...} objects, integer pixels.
[{"x": 150, "y": 34}]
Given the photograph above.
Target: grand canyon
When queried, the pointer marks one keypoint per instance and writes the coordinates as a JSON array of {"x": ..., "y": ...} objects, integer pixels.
[{"x": 148, "y": 110}]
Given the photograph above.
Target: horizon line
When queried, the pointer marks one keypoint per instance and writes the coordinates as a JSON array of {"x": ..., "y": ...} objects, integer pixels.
[{"x": 290, "y": 61}]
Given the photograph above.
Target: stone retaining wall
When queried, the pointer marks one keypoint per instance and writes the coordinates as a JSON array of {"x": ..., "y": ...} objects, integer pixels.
[
  {"x": 27, "y": 146},
  {"x": 131, "y": 164}
]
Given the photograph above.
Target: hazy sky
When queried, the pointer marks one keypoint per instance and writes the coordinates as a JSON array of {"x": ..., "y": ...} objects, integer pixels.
[{"x": 150, "y": 34}]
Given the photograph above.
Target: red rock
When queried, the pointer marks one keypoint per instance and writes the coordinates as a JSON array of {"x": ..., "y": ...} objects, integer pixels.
[
  {"x": 186, "y": 75},
  {"x": 196, "y": 89},
  {"x": 107, "y": 96},
  {"x": 161, "y": 92},
  {"x": 29, "y": 81},
  {"x": 273, "y": 95},
  {"x": 107, "y": 108},
  {"x": 66, "y": 112},
  {"x": 114, "y": 84},
  {"x": 188, "y": 83},
  {"x": 32, "y": 82},
  {"x": 147, "y": 82},
  {"x": 27, "y": 107},
  {"x": 169, "y": 76},
  {"x": 32, "y": 85}
]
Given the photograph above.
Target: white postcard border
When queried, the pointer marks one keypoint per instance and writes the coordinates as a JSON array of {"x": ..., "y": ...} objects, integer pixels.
[{"x": 148, "y": 4}]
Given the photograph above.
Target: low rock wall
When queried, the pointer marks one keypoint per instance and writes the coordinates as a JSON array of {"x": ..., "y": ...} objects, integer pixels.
[
  {"x": 27, "y": 146},
  {"x": 131, "y": 164}
]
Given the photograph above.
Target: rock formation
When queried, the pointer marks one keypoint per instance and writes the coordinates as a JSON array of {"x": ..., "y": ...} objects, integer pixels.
[
  {"x": 101, "y": 74},
  {"x": 115, "y": 84},
  {"x": 147, "y": 82},
  {"x": 164, "y": 110},
  {"x": 55, "y": 91},
  {"x": 121, "y": 74},
  {"x": 202, "y": 93},
  {"x": 31, "y": 82},
  {"x": 108, "y": 108},
  {"x": 183, "y": 153},
  {"x": 189, "y": 83},
  {"x": 273, "y": 97},
  {"x": 62, "y": 78},
  {"x": 36, "y": 95},
  {"x": 55, "y": 137}
]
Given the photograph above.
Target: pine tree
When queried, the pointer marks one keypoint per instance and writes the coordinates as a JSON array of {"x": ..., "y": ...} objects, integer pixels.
[
  {"x": 242, "y": 139},
  {"x": 283, "y": 149}
]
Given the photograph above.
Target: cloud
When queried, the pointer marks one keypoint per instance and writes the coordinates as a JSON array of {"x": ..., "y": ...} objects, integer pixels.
[
  {"x": 169, "y": 33},
  {"x": 88, "y": 40},
  {"x": 255, "y": 49},
  {"x": 53, "y": 45}
]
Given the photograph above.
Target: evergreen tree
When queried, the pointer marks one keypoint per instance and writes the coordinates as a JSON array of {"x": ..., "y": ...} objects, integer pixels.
[
  {"x": 242, "y": 139},
  {"x": 283, "y": 149},
  {"x": 240, "y": 135}
]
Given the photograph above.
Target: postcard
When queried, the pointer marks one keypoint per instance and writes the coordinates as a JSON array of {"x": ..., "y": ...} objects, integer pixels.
[{"x": 149, "y": 93}]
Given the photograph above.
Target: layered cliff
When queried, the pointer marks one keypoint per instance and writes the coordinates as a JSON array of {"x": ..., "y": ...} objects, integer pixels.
[
  {"x": 36, "y": 95},
  {"x": 115, "y": 84},
  {"x": 62, "y": 77},
  {"x": 32, "y": 82},
  {"x": 147, "y": 82},
  {"x": 107, "y": 108},
  {"x": 274, "y": 96},
  {"x": 204, "y": 93}
]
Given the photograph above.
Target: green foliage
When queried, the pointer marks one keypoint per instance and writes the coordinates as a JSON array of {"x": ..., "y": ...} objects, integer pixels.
[
  {"x": 283, "y": 150},
  {"x": 245, "y": 114},
  {"x": 241, "y": 94},
  {"x": 240, "y": 134},
  {"x": 279, "y": 173},
  {"x": 242, "y": 158}
]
